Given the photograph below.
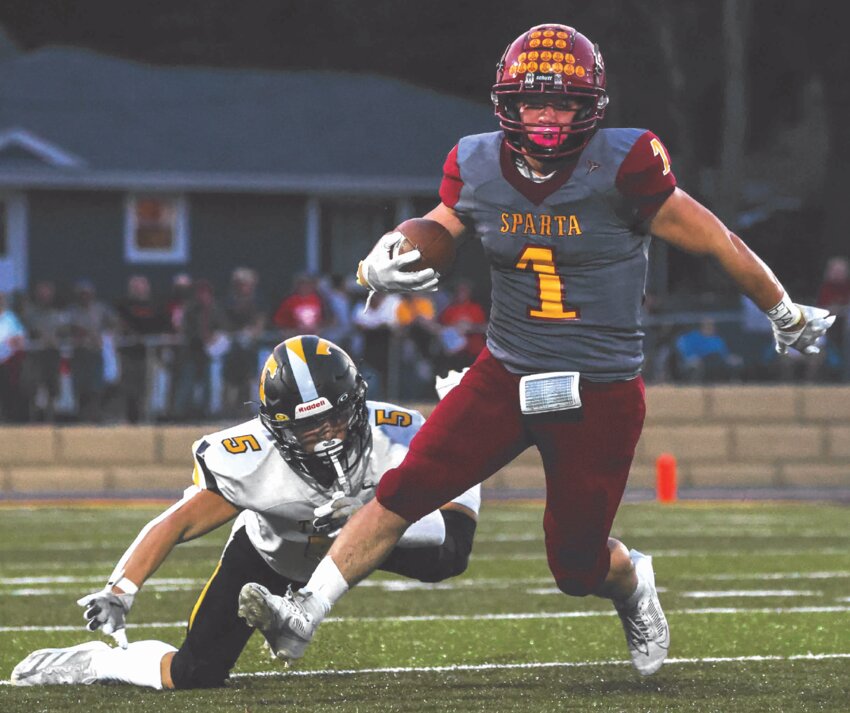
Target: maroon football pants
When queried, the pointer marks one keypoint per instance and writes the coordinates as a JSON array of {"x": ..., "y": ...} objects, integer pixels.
[{"x": 478, "y": 428}]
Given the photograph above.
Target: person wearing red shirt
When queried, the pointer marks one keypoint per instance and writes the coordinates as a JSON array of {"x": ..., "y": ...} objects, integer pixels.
[
  {"x": 468, "y": 320},
  {"x": 303, "y": 309}
]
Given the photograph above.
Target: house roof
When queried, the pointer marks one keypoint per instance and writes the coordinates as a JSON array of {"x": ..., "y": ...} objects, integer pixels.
[{"x": 73, "y": 118}]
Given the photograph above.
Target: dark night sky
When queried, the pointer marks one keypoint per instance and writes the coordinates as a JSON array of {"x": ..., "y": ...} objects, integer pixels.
[
  {"x": 453, "y": 47},
  {"x": 449, "y": 46}
]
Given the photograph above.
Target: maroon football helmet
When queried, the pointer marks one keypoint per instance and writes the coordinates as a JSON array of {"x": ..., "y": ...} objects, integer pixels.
[{"x": 557, "y": 63}]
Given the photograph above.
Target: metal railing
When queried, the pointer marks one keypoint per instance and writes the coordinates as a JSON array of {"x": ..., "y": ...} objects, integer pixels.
[{"x": 164, "y": 378}]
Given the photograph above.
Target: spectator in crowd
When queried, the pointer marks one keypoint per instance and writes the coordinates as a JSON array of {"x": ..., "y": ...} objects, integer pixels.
[
  {"x": 704, "y": 356},
  {"x": 245, "y": 317},
  {"x": 374, "y": 329},
  {"x": 464, "y": 322},
  {"x": 338, "y": 327},
  {"x": 12, "y": 340},
  {"x": 140, "y": 318},
  {"x": 834, "y": 295},
  {"x": 756, "y": 346},
  {"x": 303, "y": 309},
  {"x": 167, "y": 356},
  {"x": 92, "y": 325},
  {"x": 419, "y": 331},
  {"x": 45, "y": 324},
  {"x": 834, "y": 291},
  {"x": 659, "y": 341},
  {"x": 416, "y": 315},
  {"x": 203, "y": 338},
  {"x": 175, "y": 307}
]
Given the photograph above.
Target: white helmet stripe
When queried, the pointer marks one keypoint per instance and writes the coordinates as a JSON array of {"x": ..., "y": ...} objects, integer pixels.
[{"x": 303, "y": 377}]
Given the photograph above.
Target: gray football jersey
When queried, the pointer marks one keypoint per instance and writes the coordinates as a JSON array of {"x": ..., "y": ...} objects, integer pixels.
[
  {"x": 568, "y": 272},
  {"x": 243, "y": 465}
]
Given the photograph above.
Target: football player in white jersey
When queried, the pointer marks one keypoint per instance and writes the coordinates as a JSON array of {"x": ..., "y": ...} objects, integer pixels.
[{"x": 290, "y": 478}]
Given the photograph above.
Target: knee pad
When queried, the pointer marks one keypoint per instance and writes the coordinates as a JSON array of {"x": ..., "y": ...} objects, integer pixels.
[
  {"x": 460, "y": 530},
  {"x": 434, "y": 564},
  {"x": 454, "y": 552}
]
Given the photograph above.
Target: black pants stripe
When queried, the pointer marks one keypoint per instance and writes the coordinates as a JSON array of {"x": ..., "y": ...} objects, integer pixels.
[{"x": 217, "y": 635}]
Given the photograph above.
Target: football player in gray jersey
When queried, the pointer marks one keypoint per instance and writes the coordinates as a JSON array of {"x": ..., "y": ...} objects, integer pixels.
[
  {"x": 290, "y": 479},
  {"x": 565, "y": 211}
]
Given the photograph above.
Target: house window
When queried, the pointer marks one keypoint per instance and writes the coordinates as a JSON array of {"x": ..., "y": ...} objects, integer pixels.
[{"x": 156, "y": 229}]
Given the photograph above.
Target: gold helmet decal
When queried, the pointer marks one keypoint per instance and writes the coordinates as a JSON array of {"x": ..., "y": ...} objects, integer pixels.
[
  {"x": 296, "y": 346},
  {"x": 270, "y": 369}
]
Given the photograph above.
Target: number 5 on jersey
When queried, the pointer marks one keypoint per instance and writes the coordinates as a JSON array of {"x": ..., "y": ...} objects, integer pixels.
[
  {"x": 550, "y": 286},
  {"x": 240, "y": 444}
]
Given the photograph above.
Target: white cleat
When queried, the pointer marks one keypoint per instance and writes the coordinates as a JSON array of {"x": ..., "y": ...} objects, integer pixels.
[
  {"x": 52, "y": 667},
  {"x": 647, "y": 632},
  {"x": 287, "y": 622}
]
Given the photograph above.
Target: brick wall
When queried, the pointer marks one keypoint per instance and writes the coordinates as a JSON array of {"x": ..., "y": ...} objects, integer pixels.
[{"x": 724, "y": 436}]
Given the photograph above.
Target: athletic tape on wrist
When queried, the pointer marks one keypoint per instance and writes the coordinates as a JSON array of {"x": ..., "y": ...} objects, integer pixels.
[
  {"x": 785, "y": 313},
  {"x": 126, "y": 586}
]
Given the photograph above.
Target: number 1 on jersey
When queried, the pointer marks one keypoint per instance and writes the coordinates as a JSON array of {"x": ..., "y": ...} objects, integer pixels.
[{"x": 550, "y": 287}]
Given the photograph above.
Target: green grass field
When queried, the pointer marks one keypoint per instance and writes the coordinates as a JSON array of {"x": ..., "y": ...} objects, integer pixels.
[{"x": 757, "y": 596}]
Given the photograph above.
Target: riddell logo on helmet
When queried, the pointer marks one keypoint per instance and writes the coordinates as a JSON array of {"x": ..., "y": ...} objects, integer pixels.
[{"x": 312, "y": 407}]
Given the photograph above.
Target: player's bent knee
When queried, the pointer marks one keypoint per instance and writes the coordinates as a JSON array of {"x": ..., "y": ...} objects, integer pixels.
[
  {"x": 455, "y": 551},
  {"x": 188, "y": 672},
  {"x": 435, "y": 564},
  {"x": 579, "y": 573},
  {"x": 460, "y": 532},
  {"x": 579, "y": 585},
  {"x": 573, "y": 587}
]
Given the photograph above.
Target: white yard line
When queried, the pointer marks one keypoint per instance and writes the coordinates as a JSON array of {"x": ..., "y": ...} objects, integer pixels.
[
  {"x": 841, "y": 574},
  {"x": 658, "y": 554},
  {"x": 537, "y": 665},
  {"x": 13, "y": 581},
  {"x": 484, "y": 617},
  {"x": 536, "y": 535},
  {"x": 720, "y": 594},
  {"x": 28, "y": 586},
  {"x": 523, "y": 666}
]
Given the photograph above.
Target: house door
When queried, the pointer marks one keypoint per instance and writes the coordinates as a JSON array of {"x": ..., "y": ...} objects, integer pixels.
[{"x": 13, "y": 242}]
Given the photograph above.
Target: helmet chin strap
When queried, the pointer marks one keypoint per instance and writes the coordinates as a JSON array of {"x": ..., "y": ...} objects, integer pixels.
[{"x": 332, "y": 449}]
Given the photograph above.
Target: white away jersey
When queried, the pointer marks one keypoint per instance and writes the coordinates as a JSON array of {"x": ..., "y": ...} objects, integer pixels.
[{"x": 243, "y": 465}]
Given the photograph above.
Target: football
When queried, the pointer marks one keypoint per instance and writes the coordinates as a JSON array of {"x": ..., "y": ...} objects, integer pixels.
[{"x": 433, "y": 241}]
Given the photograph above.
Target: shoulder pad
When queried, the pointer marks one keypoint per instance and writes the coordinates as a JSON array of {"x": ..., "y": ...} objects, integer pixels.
[
  {"x": 399, "y": 424},
  {"x": 617, "y": 140},
  {"x": 231, "y": 453}
]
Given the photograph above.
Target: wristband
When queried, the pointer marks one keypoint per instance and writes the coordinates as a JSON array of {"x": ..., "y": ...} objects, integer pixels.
[
  {"x": 785, "y": 313},
  {"x": 126, "y": 586}
]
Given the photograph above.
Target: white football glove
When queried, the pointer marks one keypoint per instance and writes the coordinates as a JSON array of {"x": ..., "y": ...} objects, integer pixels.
[
  {"x": 444, "y": 384},
  {"x": 805, "y": 339},
  {"x": 108, "y": 611},
  {"x": 381, "y": 271},
  {"x": 330, "y": 517}
]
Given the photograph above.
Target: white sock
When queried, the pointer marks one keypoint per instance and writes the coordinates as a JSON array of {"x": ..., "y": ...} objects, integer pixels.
[
  {"x": 471, "y": 498},
  {"x": 636, "y": 596},
  {"x": 327, "y": 584},
  {"x": 138, "y": 664}
]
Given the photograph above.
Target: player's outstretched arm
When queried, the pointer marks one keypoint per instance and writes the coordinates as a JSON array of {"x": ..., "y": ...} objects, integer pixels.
[
  {"x": 199, "y": 512},
  {"x": 687, "y": 224}
]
